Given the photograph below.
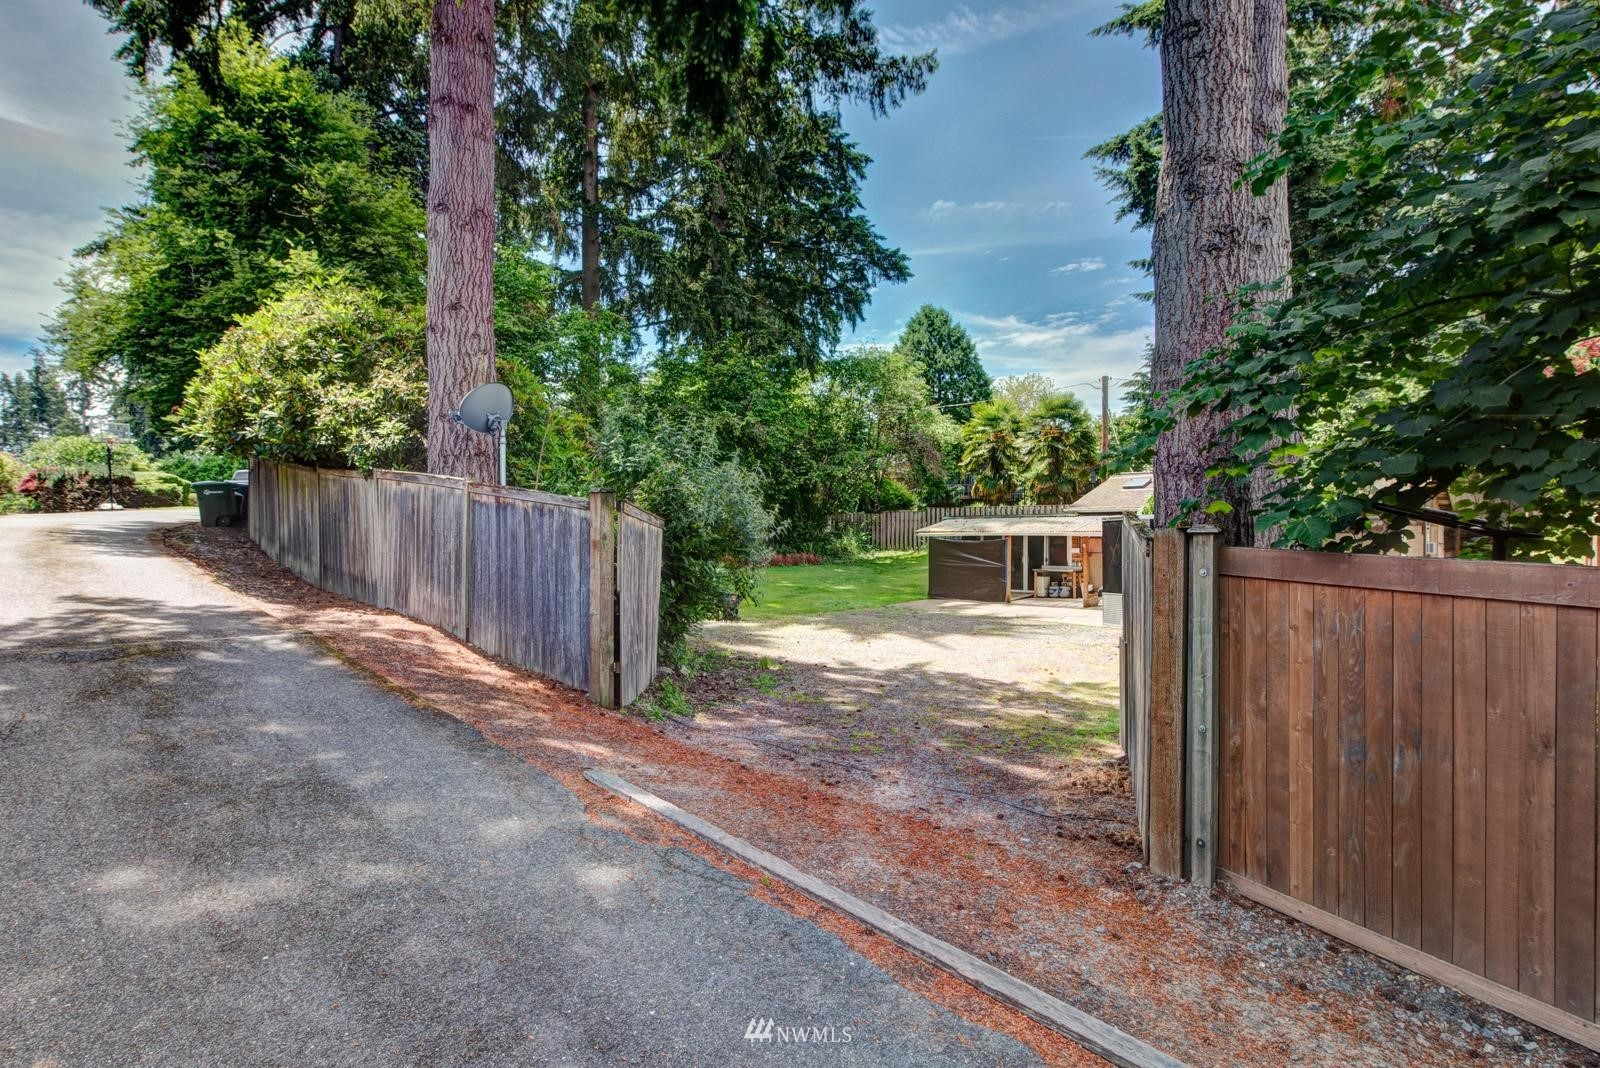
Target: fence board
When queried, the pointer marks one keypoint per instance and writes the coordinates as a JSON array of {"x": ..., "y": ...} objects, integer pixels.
[
  {"x": 1406, "y": 889},
  {"x": 1411, "y": 754},
  {"x": 1377, "y": 799},
  {"x": 639, "y": 542},
  {"x": 1437, "y": 772},
  {"x": 1577, "y": 654},
  {"x": 427, "y": 524},
  {"x": 1536, "y": 905},
  {"x": 1134, "y": 696}
]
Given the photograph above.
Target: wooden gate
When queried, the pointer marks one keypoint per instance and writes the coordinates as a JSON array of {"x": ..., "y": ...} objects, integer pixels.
[{"x": 1134, "y": 692}]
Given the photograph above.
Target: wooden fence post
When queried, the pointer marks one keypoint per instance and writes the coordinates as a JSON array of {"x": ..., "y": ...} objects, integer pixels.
[
  {"x": 603, "y": 598},
  {"x": 468, "y": 560},
  {"x": 1200, "y": 707},
  {"x": 1169, "y": 603}
]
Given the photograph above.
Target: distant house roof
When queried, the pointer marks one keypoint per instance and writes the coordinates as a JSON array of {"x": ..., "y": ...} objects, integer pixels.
[
  {"x": 1014, "y": 525},
  {"x": 1128, "y": 492}
]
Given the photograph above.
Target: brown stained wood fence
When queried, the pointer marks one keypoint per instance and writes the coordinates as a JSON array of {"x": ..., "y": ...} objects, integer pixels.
[
  {"x": 1405, "y": 755},
  {"x": 510, "y": 571},
  {"x": 898, "y": 530}
]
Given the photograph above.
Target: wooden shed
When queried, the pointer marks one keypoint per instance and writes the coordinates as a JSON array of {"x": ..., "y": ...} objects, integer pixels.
[{"x": 1006, "y": 557}]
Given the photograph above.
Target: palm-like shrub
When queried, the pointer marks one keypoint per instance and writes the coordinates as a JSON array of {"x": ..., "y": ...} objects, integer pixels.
[
  {"x": 1060, "y": 451},
  {"x": 992, "y": 450}
]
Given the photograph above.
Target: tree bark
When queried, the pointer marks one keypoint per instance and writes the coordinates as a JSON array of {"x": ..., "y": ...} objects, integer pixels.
[
  {"x": 1211, "y": 236},
  {"x": 461, "y": 231},
  {"x": 1269, "y": 224}
]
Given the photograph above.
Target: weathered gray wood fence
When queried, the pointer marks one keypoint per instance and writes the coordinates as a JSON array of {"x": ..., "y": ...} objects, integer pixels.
[
  {"x": 898, "y": 530},
  {"x": 1134, "y": 694},
  {"x": 566, "y": 587}
]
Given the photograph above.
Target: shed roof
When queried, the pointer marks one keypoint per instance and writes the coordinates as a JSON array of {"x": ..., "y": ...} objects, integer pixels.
[
  {"x": 1016, "y": 525},
  {"x": 1127, "y": 492}
]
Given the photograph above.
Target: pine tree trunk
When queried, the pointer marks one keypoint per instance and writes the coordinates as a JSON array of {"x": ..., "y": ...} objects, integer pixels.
[
  {"x": 461, "y": 231},
  {"x": 1211, "y": 236},
  {"x": 1269, "y": 229}
]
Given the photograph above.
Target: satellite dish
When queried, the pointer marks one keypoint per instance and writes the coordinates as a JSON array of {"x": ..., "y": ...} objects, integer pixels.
[{"x": 487, "y": 409}]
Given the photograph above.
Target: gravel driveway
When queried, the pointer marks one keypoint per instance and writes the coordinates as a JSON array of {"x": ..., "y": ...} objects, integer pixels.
[{"x": 1016, "y": 703}]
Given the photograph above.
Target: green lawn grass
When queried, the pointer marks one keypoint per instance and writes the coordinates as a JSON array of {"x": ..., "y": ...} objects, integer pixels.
[{"x": 812, "y": 589}]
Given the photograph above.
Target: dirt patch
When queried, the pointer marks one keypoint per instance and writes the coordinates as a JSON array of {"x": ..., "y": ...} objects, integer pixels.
[{"x": 1206, "y": 976}]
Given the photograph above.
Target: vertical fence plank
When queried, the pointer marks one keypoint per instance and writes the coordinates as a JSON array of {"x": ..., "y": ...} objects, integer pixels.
[
  {"x": 1165, "y": 840},
  {"x": 603, "y": 598},
  {"x": 1378, "y": 791},
  {"x": 1302, "y": 744},
  {"x": 1407, "y": 720},
  {"x": 1201, "y": 707},
  {"x": 1471, "y": 799},
  {"x": 1276, "y": 723},
  {"x": 1438, "y": 777},
  {"x": 1231, "y": 710},
  {"x": 1255, "y": 734},
  {"x": 1577, "y": 670},
  {"x": 1353, "y": 755},
  {"x": 1326, "y": 710},
  {"x": 1503, "y": 763},
  {"x": 1536, "y": 866}
]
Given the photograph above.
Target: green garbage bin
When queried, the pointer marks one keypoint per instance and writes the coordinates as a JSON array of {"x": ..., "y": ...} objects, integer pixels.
[{"x": 221, "y": 503}]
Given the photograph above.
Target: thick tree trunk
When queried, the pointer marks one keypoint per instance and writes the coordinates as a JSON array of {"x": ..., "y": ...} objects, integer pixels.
[
  {"x": 1211, "y": 235},
  {"x": 1269, "y": 224},
  {"x": 461, "y": 230}
]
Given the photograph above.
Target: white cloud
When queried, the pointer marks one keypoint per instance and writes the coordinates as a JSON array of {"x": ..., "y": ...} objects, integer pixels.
[
  {"x": 1091, "y": 263},
  {"x": 952, "y": 211},
  {"x": 965, "y": 30},
  {"x": 1066, "y": 346}
]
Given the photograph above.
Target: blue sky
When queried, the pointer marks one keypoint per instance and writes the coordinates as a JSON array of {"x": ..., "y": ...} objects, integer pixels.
[{"x": 980, "y": 179}]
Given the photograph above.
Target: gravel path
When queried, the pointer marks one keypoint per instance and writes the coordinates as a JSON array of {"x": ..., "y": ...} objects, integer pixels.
[{"x": 1004, "y": 705}]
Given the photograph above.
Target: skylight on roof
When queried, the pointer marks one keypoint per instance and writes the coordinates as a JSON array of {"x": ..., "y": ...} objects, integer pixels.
[{"x": 1137, "y": 482}]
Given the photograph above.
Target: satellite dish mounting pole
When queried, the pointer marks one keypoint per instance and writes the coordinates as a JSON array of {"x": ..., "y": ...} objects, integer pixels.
[{"x": 487, "y": 409}]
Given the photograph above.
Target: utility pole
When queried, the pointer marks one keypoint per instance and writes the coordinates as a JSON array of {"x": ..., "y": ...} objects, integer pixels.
[{"x": 1105, "y": 414}]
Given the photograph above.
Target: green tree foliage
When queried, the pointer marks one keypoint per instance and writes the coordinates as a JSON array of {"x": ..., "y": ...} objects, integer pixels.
[
  {"x": 1443, "y": 346},
  {"x": 992, "y": 443},
  {"x": 1027, "y": 392},
  {"x": 717, "y": 529},
  {"x": 39, "y": 401},
  {"x": 750, "y": 230},
  {"x": 1060, "y": 451},
  {"x": 328, "y": 373},
  {"x": 948, "y": 358},
  {"x": 239, "y": 177},
  {"x": 1133, "y": 429}
]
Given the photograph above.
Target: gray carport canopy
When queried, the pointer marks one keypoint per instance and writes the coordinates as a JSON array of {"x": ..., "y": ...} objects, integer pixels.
[{"x": 1016, "y": 526}]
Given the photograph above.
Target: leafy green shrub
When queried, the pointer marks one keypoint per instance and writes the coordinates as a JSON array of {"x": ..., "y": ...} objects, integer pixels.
[
  {"x": 17, "y": 504},
  {"x": 11, "y": 472},
  {"x": 327, "y": 373},
  {"x": 197, "y": 466},
  {"x": 154, "y": 489},
  {"x": 892, "y": 496},
  {"x": 717, "y": 529}
]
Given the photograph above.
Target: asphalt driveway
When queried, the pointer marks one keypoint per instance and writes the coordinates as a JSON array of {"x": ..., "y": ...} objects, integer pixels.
[{"x": 220, "y": 845}]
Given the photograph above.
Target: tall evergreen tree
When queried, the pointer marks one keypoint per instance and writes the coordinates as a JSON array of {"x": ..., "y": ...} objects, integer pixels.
[{"x": 948, "y": 358}]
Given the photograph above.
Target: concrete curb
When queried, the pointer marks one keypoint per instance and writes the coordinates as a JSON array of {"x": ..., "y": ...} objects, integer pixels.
[{"x": 1093, "y": 1034}]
